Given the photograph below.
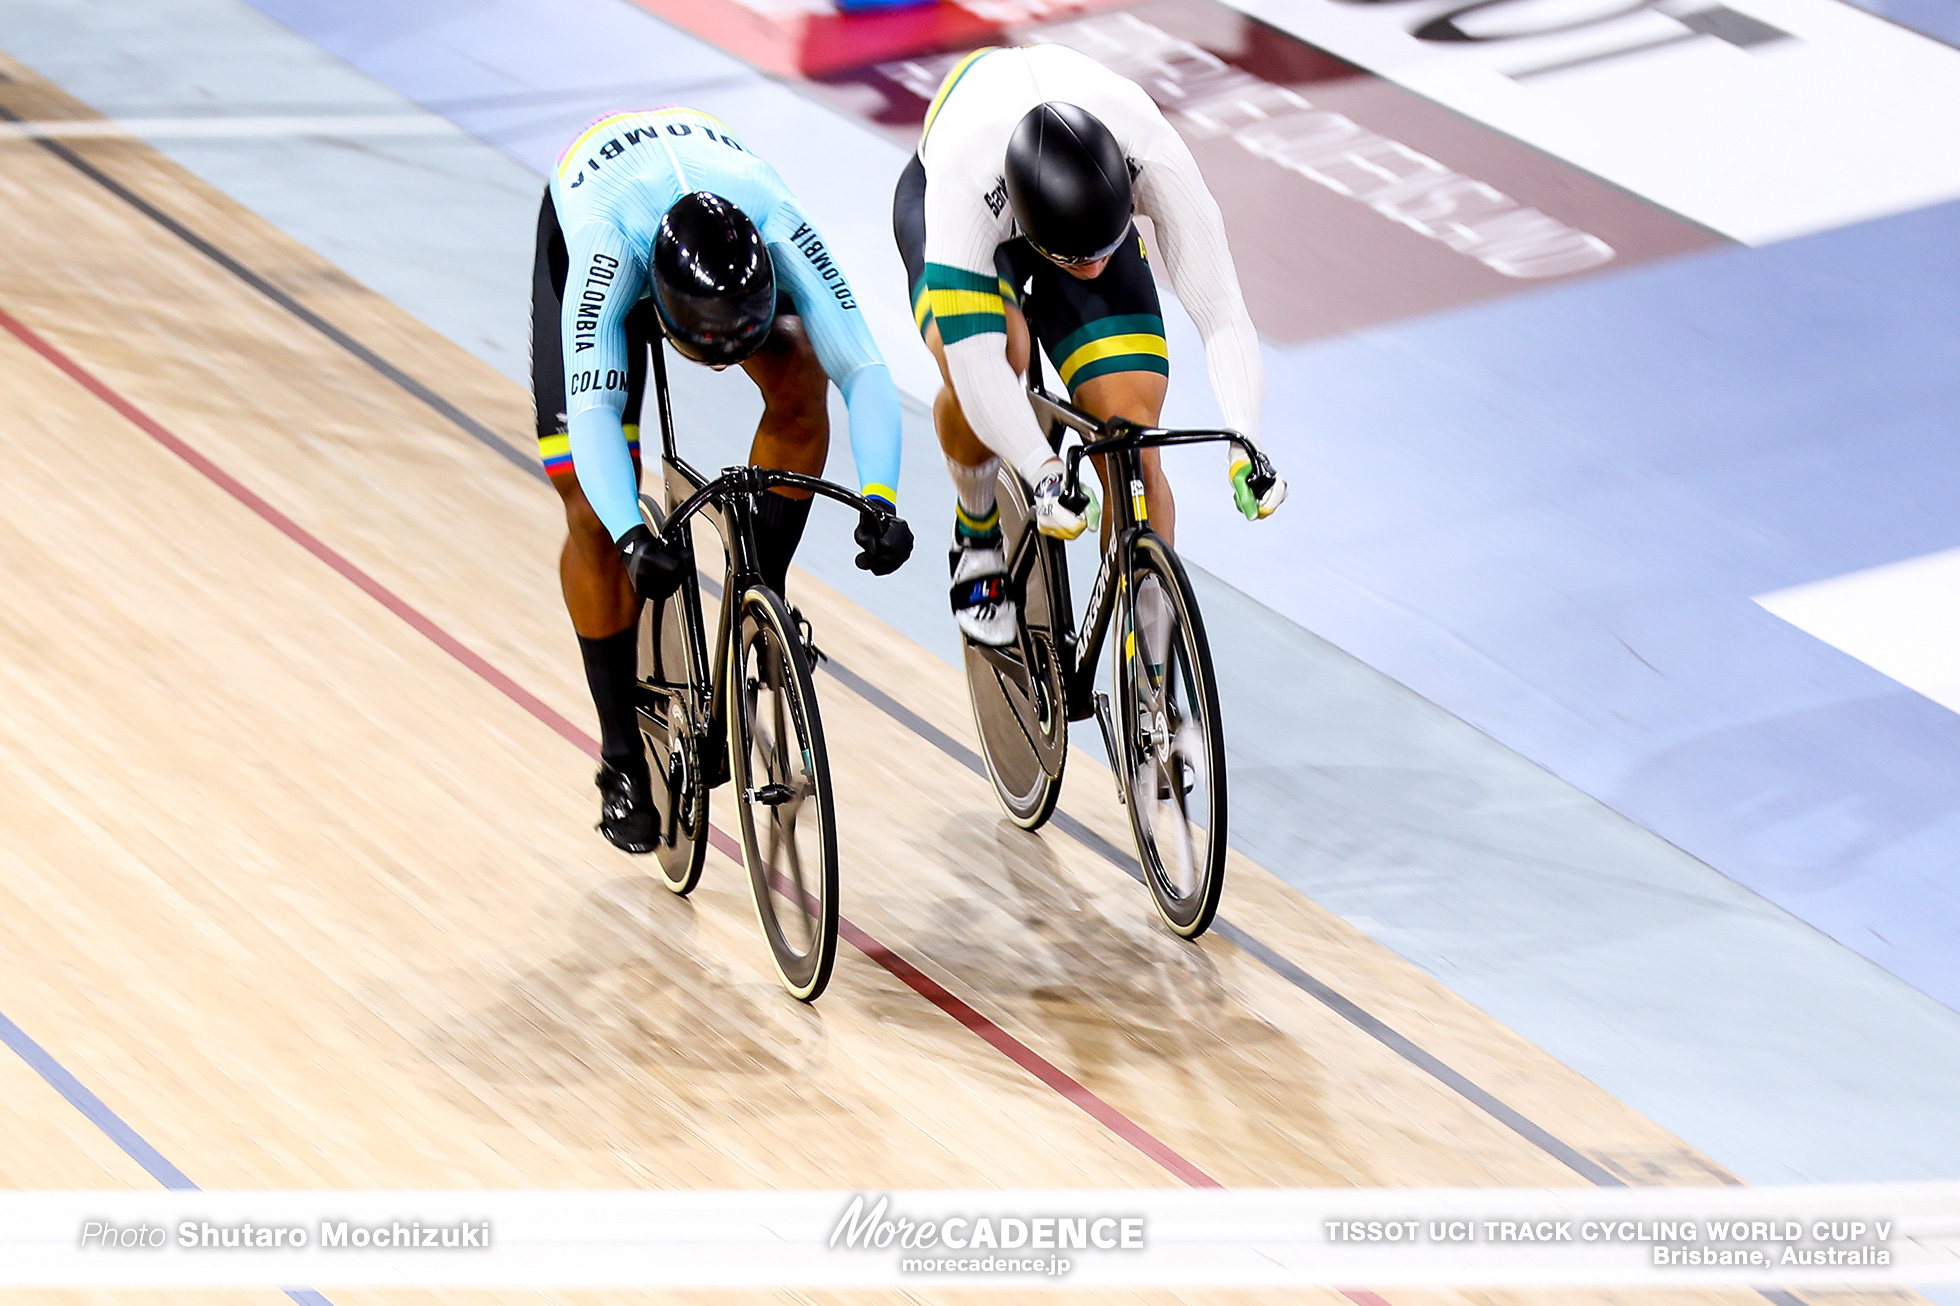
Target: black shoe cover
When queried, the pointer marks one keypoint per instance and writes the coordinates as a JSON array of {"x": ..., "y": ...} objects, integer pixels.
[{"x": 627, "y": 816}]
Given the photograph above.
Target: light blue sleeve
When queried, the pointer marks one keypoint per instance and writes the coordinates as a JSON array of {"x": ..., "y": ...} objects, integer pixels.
[
  {"x": 876, "y": 429},
  {"x": 844, "y": 346},
  {"x": 603, "y": 282}
]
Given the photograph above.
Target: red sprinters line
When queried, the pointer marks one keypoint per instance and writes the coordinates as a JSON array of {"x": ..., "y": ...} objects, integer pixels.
[
  {"x": 312, "y": 543},
  {"x": 915, "y": 979},
  {"x": 1028, "y": 1059}
]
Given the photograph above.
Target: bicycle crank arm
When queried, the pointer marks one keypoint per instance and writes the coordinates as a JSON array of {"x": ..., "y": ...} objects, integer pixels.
[
  {"x": 1104, "y": 720},
  {"x": 1009, "y": 662}
]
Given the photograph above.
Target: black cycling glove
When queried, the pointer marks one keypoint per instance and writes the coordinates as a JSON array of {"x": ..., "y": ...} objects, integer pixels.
[
  {"x": 884, "y": 537},
  {"x": 655, "y": 570}
]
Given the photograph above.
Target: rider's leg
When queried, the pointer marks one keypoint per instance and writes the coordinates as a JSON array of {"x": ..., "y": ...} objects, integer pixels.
[
  {"x": 1138, "y": 396},
  {"x": 598, "y": 596},
  {"x": 981, "y": 605},
  {"x": 1105, "y": 333},
  {"x": 794, "y": 436},
  {"x": 968, "y": 459},
  {"x": 605, "y": 614},
  {"x": 985, "y": 611}
]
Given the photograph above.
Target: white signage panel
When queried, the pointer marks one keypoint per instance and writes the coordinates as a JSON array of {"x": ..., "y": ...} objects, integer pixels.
[
  {"x": 1902, "y": 620},
  {"x": 1759, "y": 119}
]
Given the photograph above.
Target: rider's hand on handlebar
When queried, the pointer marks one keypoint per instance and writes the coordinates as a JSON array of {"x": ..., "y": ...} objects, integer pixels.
[
  {"x": 655, "y": 570},
  {"x": 884, "y": 537},
  {"x": 1257, "y": 493}
]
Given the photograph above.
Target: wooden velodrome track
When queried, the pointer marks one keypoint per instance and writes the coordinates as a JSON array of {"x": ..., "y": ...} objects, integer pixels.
[{"x": 298, "y": 872}]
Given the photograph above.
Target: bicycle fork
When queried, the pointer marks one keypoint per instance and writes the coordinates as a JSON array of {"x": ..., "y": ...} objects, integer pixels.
[{"x": 1105, "y": 720}]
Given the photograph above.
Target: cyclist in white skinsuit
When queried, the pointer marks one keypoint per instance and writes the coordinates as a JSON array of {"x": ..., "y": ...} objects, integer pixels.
[
  {"x": 662, "y": 224},
  {"x": 1030, "y": 166}
]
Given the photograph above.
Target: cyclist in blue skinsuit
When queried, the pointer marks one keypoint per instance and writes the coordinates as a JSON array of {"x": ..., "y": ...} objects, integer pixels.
[{"x": 661, "y": 223}]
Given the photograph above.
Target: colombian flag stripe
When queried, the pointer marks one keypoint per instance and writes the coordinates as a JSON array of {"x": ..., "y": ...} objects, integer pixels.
[{"x": 555, "y": 451}]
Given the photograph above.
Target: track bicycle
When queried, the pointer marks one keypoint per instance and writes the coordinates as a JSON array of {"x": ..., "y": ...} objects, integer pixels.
[
  {"x": 748, "y": 716},
  {"x": 1164, "y": 736}
]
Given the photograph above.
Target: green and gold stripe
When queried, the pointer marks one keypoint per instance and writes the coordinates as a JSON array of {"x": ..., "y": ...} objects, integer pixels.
[
  {"x": 978, "y": 527},
  {"x": 922, "y": 313},
  {"x": 1123, "y": 342},
  {"x": 946, "y": 87},
  {"x": 963, "y": 303}
]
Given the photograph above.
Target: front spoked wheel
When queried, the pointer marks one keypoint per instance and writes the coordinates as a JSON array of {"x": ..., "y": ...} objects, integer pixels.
[
  {"x": 782, "y": 784},
  {"x": 1171, "y": 739}
]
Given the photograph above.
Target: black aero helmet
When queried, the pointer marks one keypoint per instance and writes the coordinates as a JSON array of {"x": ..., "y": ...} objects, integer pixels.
[
  {"x": 713, "y": 284},
  {"x": 1069, "y": 183}
]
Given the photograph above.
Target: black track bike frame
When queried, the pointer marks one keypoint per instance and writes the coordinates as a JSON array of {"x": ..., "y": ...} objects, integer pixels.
[
  {"x": 728, "y": 502},
  {"x": 1120, "y": 441}
]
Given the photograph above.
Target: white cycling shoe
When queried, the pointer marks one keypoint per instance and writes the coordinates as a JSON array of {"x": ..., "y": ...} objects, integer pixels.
[
  {"x": 1051, "y": 517},
  {"x": 981, "y": 604}
]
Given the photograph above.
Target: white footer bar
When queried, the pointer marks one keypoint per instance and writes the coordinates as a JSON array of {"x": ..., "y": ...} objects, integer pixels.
[{"x": 1859, "y": 1235}]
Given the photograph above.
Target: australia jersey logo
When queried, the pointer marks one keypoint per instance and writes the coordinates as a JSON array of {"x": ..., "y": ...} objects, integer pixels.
[{"x": 997, "y": 197}]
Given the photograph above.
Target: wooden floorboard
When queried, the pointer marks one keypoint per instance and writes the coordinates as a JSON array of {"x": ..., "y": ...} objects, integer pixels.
[{"x": 310, "y": 903}]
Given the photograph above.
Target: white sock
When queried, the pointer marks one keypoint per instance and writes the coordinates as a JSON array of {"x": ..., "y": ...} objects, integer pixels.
[{"x": 975, "y": 487}]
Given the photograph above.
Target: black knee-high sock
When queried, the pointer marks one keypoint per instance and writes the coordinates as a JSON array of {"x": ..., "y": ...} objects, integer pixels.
[
  {"x": 779, "y": 524},
  {"x": 610, "y": 667}
]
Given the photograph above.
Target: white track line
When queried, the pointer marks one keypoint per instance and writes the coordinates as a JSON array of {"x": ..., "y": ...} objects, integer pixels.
[{"x": 233, "y": 128}]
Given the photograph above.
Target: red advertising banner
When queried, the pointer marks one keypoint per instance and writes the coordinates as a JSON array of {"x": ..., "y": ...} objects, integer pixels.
[{"x": 1349, "y": 200}]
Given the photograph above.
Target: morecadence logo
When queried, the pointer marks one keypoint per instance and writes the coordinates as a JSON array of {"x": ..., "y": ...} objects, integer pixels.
[{"x": 978, "y": 1238}]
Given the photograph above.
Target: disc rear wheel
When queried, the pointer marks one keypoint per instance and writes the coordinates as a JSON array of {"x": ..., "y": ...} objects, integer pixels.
[
  {"x": 1016, "y": 692},
  {"x": 671, "y": 684}
]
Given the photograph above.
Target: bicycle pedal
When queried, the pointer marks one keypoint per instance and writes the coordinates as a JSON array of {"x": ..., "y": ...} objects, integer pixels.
[
  {"x": 770, "y": 795},
  {"x": 808, "y": 636}
]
